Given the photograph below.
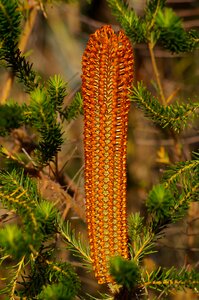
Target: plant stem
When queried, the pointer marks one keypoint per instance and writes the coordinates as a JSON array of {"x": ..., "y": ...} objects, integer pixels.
[
  {"x": 176, "y": 150},
  {"x": 157, "y": 74}
]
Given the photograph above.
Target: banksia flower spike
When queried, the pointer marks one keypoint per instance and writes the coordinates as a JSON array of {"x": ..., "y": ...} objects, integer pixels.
[{"x": 107, "y": 67}]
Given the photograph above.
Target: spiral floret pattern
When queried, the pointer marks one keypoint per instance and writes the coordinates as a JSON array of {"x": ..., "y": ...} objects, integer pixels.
[{"x": 107, "y": 68}]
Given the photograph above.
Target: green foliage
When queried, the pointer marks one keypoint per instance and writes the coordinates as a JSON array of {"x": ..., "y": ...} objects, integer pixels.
[
  {"x": 11, "y": 285},
  {"x": 41, "y": 221},
  {"x": 20, "y": 67},
  {"x": 160, "y": 202},
  {"x": 172, "y": 34},
  {"x": 43, "y": 117},
  {"x": 18, "y": 192},
  {"x": 153, "y": 6},
  {"x": 151, "y": 10},
  {"x": 163, "y": 280},
  {"x": 141, "y": 237},
  {"x": 130, "y": 22},
  {"x": 11, "y": 117},
  {"x": 159, "y": 24},
  {"x": 168, "y": 202},
  {"x": 175, "y": 116},
  {"x": 125, "y": 272},
  {"x": 47, "y": 216},
  {"x": 13, "y": 241},
  {"x": 58, "y": 291},
  {"x": 183, "y": 180},
  {"x": 56, "y": 89},
  {"x": 10, "y": 19},
  {"x": 75, "y": 243},
  {"x": 180, "y": 172},
  {"x": 74, "y": 109},
  {"x": 47, "y": 277}
]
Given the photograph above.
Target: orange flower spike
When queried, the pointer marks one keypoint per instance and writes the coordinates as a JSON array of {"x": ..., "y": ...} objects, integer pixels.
[{"x": 107, "y": 67}]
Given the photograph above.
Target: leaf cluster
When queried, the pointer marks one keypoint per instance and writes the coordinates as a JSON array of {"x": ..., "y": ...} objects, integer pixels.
[
  {"x": 175, "y": 116},
  {"x": 11, "y": 117},
  {"x": 46, "y": 99},
  {"x": 49, "y": 279},
  {"x": 32, "y": 243},
  {"x": 75, "y": 109},
  {"x": 142, "y": 238},
  {"x": 125, "y": 272},
  {"x": 172, "y": 34},
  {"x": 159, "y": 24},
  {"x": 163, "y": 280},
  {"x": 75, "y": 244},
  {"x": 10, "y": 55},
  {"x": 10, "y": 20},
  {"x": 43, "y": 117},
  {"x": 169, "y": 201},
  {"x": 130, "y": 22}
]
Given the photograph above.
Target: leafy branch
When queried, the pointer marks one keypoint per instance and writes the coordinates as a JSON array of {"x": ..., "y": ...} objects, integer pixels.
[
  {"x": 175, "y": 172},
  {"x": 10, "y": 288},
  {"x": 19, "y": 192},
  {"x": 44, "y": 118},
  {"x": 175, "y": 116},
  {"x": 73, "y": 110},
  {"x": 132, "y": 24},
  {"x": 164, "y": 280},
  {"x": 141, "y": 237},
  {"x": 159, "y": 24},
  {"x": 74, "y": 243}
]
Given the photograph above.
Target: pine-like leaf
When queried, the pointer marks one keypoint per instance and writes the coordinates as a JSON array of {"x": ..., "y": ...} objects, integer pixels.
[
  {"x": 159, "y": 202},
  {"x": 19, "y": 192},
  {"x": 74, "y": 109},
  {"x": 168, "y": 202},
  {"x": 11, "y": 285},
  {"x": 130, "y": 22},
  {"x": 47, "y": 216},
  {"x": 14, "y": 241},
  {"x": 142, "y": 238},
  {"x": 21, "y": 68},
  {"x": 180, "y": 170},
  {"x": 164, "y": 280},
  {"x": 44, "y": 118},
  {"x": 154, "y": 5},
  {"x": 46, "y": 276},
  {"x": 56, "y": 89},
  {"x": 58, "y": 291},
  {"x": 172, "y": 34},
  {"x": 125, "y": 272},
  {"x": 174, "y": 116},
  {"x": 183, "y": 180},
  {"x": 10, "y": 19},
  {"x": 75, "y": 244},
  {"x": 151, "y": 11},
  {"x": 11, "y": 117}
]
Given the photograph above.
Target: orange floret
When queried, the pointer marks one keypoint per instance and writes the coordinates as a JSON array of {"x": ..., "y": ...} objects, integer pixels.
[{"x": 107, "y": 67}]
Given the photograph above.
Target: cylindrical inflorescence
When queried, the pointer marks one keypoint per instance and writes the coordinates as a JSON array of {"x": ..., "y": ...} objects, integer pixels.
[{"x": 107, "y": 67}]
